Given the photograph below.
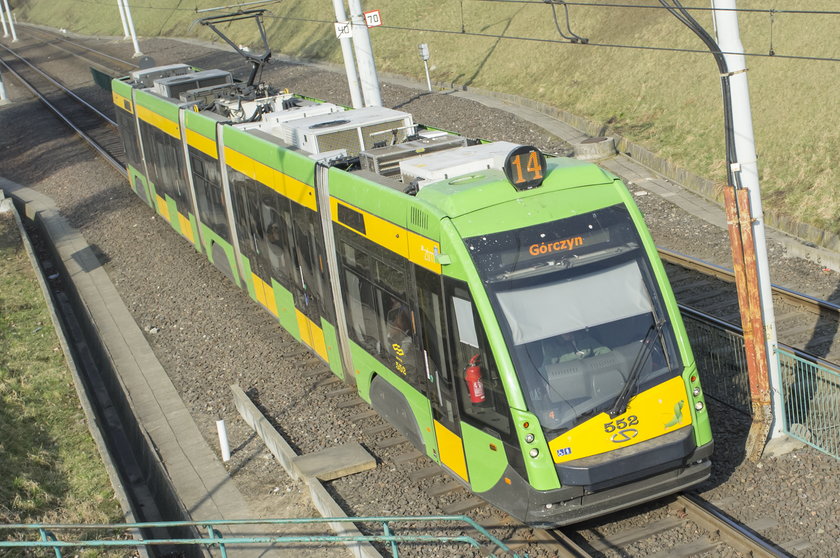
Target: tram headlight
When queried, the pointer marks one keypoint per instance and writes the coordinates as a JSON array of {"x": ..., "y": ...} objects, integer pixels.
[
  {"x": 534, "y": 452},
  {"x": 696, "y": 391},
  {"x": 529, "y": 438},
  {"x": 699, "y": 405}
]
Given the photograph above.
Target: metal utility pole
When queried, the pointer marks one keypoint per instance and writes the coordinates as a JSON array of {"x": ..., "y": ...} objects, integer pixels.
[
  {"x": 11, "y": 23},
  {"x": 122, "y": 18},
  {"x": 745, "y": 219},
  {"x": 130, "y": 21},
  {"x": 344, "y": 30},
  {"x": 748, "y": 195},
  {"x": 364, "y": 56}
]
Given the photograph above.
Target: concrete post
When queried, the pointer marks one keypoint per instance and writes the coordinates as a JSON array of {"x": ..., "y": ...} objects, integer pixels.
[
  {"x": 729, "y": 41},
  {"x": 126, "y": 35},
  {"x": 11, "y": 22},
  {"x": 364, "y": 56},
  {"x": 130, "y": 21},
  {"x": 349, "y": 59}
]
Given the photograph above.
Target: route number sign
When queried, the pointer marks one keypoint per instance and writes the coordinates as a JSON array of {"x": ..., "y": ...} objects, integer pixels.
[
  {"x": 525, "y": 167},
  {"x": 373, "y": 18}
]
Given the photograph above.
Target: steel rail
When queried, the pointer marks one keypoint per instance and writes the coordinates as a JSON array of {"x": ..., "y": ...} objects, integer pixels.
[
  {"x": 96, "y": 146},
  {"x": 61, "y": 86},
  {"x": 736, "y": 534}
]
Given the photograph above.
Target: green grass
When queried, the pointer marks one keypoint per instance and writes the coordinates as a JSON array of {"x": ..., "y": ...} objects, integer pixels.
[
  {"x": 50, "y": 470},
  {"x": 669, "y": 102}
]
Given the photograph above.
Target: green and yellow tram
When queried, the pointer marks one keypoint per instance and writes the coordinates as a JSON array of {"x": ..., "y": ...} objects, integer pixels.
[{"x": 506, "y": 311}]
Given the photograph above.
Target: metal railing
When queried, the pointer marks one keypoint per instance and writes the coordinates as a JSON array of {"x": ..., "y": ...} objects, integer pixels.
[
  {"x": 810, "y": 387},
  {"x": 810, "y": 401},
  {"x": 226, "y": 538},
  {"x": 721, "y": 359}
]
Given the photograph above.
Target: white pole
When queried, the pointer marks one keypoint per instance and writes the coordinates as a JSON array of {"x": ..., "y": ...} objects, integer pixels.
[
  {"x": 3, "y": 98},
  {"x": 3, "y": 19},
  {"x": 223, "y": 440},
  {"x": 11, "y": 23},
  {"x": 729, "y": 41},
  {"x": 130, "y": 21},
  {"x": 349, "y": 60},
  {"x": 364, "y": 56},
  {"x": 122, "y": 18}
]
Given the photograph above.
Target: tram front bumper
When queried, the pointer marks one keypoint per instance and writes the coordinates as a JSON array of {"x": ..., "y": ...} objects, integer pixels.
[{"x": 572, "y": 504}]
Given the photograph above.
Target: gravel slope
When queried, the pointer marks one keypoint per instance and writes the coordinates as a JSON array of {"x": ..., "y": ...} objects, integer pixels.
[{"x": 209, "y": 335}]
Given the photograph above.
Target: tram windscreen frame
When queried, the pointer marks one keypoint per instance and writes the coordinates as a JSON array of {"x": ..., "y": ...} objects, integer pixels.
[{"x": 576, "y": 300}]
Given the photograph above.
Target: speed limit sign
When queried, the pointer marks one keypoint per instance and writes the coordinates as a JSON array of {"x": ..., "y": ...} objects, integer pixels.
[{"x": 373, "y": 18}]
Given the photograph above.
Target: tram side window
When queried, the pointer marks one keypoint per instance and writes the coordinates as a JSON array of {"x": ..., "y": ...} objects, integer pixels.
[
  {"x": 380, "y": 319},
  {"x": 128, "y": 132},
  {"x": 277, "y": 235},
  {"x": 208, "y": 192},
  {"x": 469, "y": 346},
  {"x": 164, "y": 155}
]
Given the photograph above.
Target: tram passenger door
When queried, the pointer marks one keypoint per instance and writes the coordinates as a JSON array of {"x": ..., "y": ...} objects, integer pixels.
[
  {"x": 309, "y": 283},
  {"x": 251, "y": 233},
  {"x": 440, "y": 388}
]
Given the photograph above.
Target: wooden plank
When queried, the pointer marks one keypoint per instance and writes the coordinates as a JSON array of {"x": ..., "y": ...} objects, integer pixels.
[
  {"x": 407, "y": 457},
  {"x": 426, "y": 472},
  {"x": 629, "y": 536},
  {"x": 762, "y": 524},
  {"x": 329, "y": 381},
  {"x": 341, "y": 391},
  {"x": 363, "y": 415},
  {"x": 352, "y": 403},
  {"x": 439, "y": 490},
  {"x": 377, "y": 429},
  {"x": 390, "y": 442},
  {"x": 463, "y": 506},
  {"x": 694, "y": 548}
]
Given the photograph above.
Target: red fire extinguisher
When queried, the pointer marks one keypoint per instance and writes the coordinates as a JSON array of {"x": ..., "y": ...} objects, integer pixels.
[{"x": 473, "y": 378}]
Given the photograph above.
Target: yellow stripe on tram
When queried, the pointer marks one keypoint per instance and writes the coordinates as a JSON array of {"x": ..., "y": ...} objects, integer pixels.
[
  {"x": 159, "y": 121},
  {"x": 203, "y": 144},
  {"x": 408, "y": 244}
]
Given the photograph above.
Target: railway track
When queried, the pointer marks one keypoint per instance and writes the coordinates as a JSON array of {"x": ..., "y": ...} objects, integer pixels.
[
  {"x": 686, "y": 289},
  {"x": 802, "y": 321},
  {"x": 90, "y": 122}
]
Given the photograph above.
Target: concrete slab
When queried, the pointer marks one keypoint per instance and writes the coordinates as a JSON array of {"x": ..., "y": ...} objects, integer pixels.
[{"x": 333, "y": 463}]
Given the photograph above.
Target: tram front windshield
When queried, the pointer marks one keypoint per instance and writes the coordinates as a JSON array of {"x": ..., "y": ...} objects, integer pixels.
[{"x": 581, "y": 312}]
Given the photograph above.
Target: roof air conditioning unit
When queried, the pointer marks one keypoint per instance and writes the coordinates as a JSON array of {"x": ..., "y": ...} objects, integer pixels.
[{"x": 352, "y": 130}]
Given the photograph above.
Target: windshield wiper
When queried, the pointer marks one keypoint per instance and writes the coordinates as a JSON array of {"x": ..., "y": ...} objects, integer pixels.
[{"x": 620, "y": 406}]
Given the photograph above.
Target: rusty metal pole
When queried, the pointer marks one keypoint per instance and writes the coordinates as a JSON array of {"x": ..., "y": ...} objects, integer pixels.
[{"x": 759, "y": 379}]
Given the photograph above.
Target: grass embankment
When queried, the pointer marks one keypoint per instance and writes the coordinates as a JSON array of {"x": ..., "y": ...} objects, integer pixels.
[
  {"x": 50, "y": 470},
  {"x": 668, "y": 101}
]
